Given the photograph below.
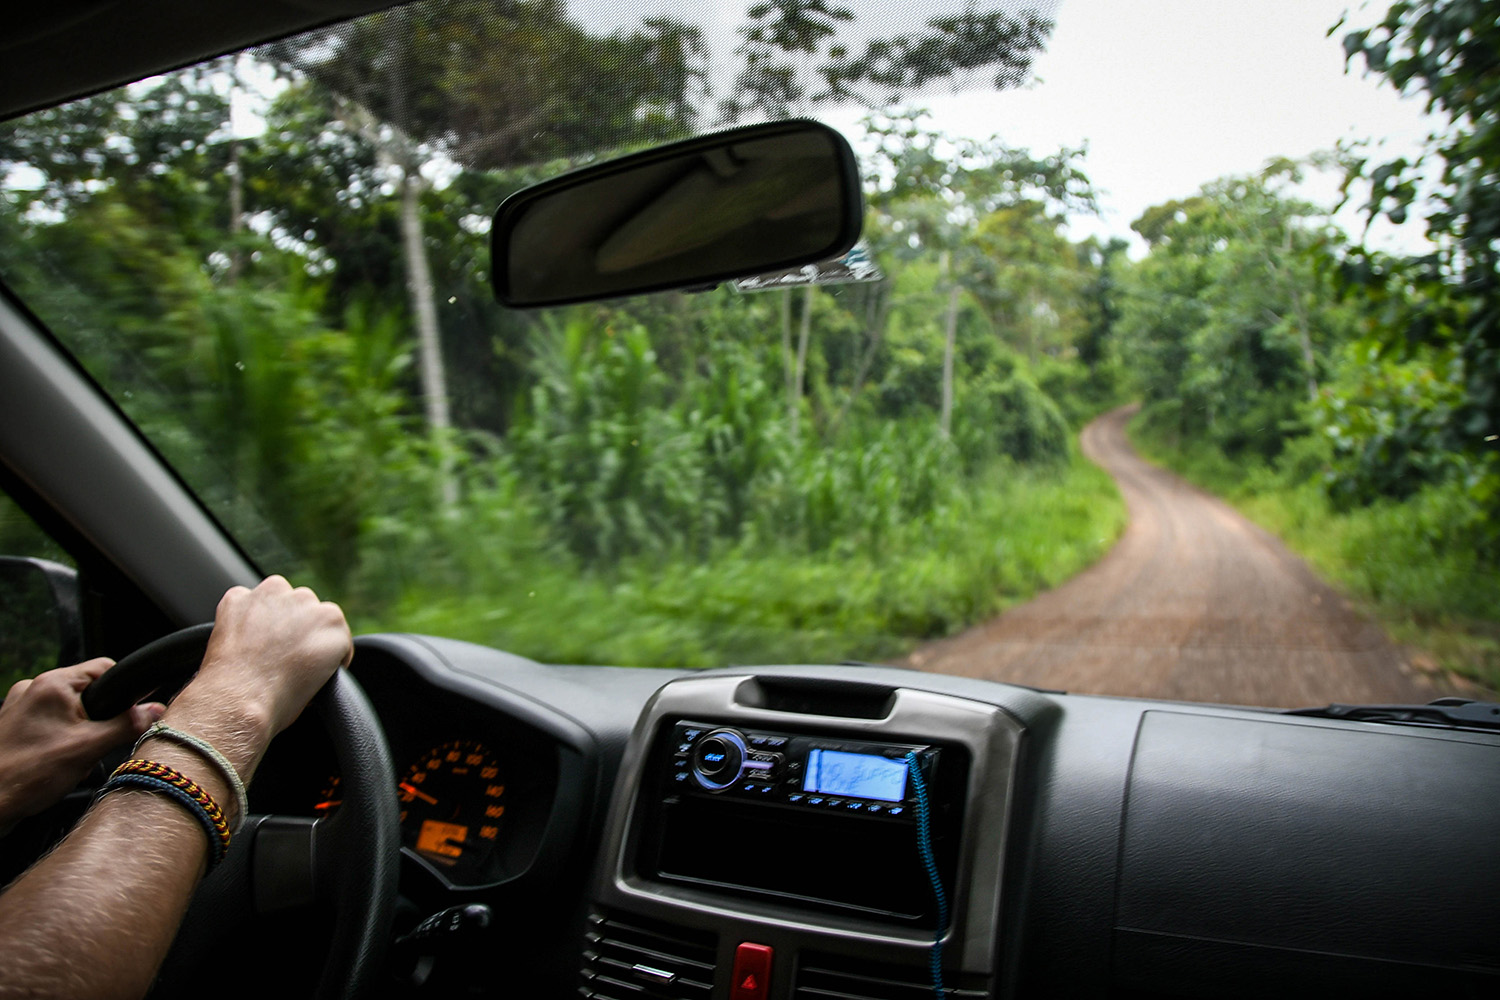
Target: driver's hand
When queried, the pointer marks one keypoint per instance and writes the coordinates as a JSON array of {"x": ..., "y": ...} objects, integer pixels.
[
  {"x": 48, "y": 744},
  {"x": 271, "y": 649}
]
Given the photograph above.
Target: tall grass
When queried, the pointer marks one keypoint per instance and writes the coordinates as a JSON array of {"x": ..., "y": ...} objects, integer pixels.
[{"x": 1015, "y": 532}]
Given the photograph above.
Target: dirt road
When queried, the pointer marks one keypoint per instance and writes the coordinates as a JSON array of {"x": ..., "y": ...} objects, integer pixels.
[{"x": 1193, "y": 603}]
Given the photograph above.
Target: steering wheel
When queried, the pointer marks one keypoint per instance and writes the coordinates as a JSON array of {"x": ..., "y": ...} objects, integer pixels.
[{"x": 349, "y": 860}]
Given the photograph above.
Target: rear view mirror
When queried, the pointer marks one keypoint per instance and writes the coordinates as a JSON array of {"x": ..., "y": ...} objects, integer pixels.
[{"x": 690, "y": 214}]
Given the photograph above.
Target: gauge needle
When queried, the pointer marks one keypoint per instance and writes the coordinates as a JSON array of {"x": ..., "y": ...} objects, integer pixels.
[
  {"x": 413, "y": 790},
  {"x": 328, "y": 805}
]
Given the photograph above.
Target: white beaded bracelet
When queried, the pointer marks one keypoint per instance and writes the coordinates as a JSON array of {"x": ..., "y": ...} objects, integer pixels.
[{"x": 161, "y": 730}]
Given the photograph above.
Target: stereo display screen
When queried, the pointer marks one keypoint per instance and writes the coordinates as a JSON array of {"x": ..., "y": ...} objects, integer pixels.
[{"x": 861, "y": 775}]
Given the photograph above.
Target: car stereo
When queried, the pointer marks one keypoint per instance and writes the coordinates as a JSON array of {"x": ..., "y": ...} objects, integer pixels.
[
  {"x": 808, "y": 772},
  {"x": 810, "y": 819}
]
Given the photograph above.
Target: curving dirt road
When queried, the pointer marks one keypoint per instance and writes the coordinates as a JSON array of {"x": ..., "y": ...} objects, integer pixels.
[{"x": 1194, "y": 603}]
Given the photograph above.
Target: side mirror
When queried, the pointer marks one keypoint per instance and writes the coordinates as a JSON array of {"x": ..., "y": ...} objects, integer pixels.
[
  {"x": 686, "y": 215},
  {"x": 40, "y": 624}
]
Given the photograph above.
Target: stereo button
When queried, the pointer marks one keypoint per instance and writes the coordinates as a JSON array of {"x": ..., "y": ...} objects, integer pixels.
[{"x": 719, "y": 759}]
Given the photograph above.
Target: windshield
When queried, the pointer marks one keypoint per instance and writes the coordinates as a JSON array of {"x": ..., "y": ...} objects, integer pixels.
[{"x": 1073, "y": 262}]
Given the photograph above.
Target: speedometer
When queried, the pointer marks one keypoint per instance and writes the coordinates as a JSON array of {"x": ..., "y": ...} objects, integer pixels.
[{"x": 453, "y": 806}]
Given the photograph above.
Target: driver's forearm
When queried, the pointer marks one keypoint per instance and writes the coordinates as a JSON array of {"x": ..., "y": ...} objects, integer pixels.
[{"x": 95, "y": 917}]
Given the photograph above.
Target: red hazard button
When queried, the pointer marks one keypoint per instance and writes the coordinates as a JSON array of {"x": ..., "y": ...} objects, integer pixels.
[{"x": 752, "y": 972}]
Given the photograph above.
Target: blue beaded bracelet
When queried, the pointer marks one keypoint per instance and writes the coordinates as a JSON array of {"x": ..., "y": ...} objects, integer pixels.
[{"x": 216, "y": 848}]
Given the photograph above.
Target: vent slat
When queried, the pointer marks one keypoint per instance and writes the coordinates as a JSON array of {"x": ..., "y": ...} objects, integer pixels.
[
  {"x": 639, "y": 954},
  {"x": 623, "y": 959},
  {"x": 626, "y": 969}
]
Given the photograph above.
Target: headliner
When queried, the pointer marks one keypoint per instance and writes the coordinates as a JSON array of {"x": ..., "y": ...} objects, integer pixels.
[{"x": 52, "y": 52}]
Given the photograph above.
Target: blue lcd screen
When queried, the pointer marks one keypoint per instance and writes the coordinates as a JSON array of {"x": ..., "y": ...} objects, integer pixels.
[{"x": 862, "y": 775}]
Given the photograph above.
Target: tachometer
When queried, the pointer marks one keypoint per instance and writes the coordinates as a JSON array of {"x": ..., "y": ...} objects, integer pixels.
[{"x": 453, "y": 805}]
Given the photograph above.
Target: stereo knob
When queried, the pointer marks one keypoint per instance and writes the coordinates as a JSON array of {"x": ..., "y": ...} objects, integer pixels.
[{"x": 718, "y": 759}]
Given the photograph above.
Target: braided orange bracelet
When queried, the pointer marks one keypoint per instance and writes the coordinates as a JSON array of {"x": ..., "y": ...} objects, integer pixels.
[{"x": 173, "y": 778}]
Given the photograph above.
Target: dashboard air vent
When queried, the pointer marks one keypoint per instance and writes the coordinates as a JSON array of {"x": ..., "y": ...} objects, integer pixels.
[
  {"x": 630, "y": 958},
  {"x": 829, "y": 977}
]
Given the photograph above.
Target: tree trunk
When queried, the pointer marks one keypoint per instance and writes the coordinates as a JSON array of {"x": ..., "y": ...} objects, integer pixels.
[
  {"x": 419, "y": 288},
  {"x": 1033, "y": 325},
  {"x": 801, "y": 371},
  {"x": 1299, "y": 309},
  {"x": 875, "y": 320},
  {"x": 394, "y": 149},
  {"x": 950, "y": 332}
]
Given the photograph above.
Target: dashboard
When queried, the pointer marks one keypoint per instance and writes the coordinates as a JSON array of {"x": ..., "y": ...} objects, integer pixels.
[{"x": 862, "y": 832}]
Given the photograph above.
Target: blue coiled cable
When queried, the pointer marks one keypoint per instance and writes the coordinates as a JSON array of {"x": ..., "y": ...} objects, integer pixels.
[{"x": 929, "y": 863}]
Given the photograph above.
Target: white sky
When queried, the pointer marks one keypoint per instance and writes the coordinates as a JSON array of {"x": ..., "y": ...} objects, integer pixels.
[{"x": 1171, "y": 94}]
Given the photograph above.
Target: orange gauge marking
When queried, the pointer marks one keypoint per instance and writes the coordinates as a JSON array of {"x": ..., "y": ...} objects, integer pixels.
[
  {"x": 410, "y": 792},
  {"x": 443, "y": 839}
]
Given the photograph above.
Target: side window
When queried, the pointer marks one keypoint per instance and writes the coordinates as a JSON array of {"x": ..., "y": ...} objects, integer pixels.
[{"x": 31, "y": 637}]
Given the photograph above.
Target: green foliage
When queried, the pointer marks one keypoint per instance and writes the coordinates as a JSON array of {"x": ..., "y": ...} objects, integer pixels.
[
  {"x": 623, "y": 467},
  {"x": 616, "y": 473},
  {"x": 478, "y": 83},
  {"x": 1387, "y": 421},
  {"x": 1439, "y": 313},
  {"x": 1229, "y": 321},
  {"x": 29, "y": 641},
  {"x": 28, "y": 629},
  {"x": 651, "y": 481},
  {"x": 765, "y": 603},
  {"x": 1010, "y": 417}
]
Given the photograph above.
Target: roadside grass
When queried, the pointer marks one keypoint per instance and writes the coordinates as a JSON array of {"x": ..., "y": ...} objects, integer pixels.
[
  {"x": 1014, "y": 533},
  {"x": 1401, "y": 562}
]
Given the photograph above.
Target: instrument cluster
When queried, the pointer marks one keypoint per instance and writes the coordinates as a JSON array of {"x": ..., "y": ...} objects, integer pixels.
[
  {"x": 476, "y": 788},
  {"x": 453, "y": 798}
]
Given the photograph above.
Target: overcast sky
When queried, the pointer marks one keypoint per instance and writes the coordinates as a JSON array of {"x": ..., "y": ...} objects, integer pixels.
[{"x": 1170, "y": 94}]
